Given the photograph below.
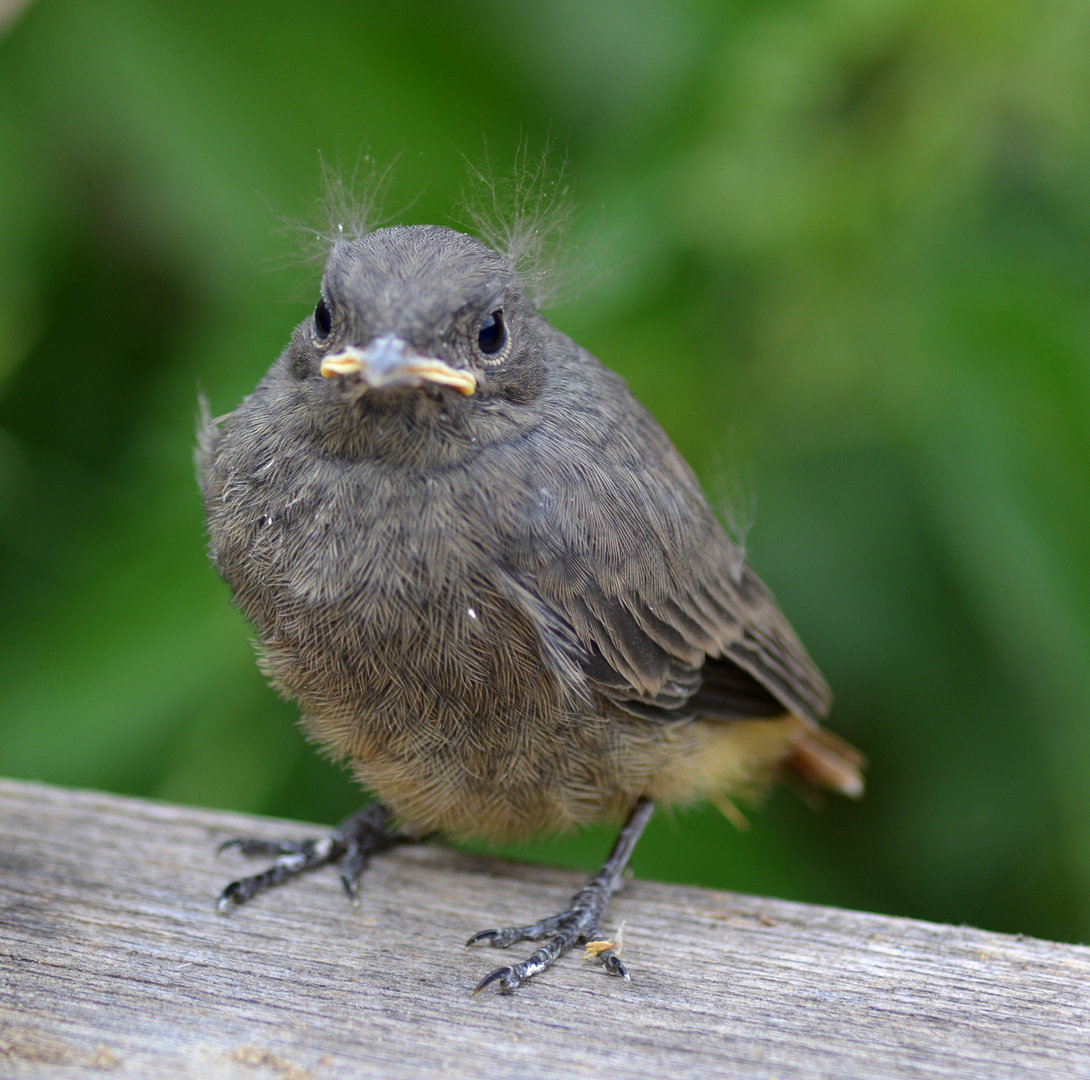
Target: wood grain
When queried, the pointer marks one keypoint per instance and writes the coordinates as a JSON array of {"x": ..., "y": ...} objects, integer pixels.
[{"x": 114, "y": 962}]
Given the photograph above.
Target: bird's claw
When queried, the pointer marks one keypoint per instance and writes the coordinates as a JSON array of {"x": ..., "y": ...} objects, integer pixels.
[
  {"x": 503, "y": 976},
  {"x": 511, "y": 978},
  {"x": 351, "y": 887},
  {"x": 613, "y": 964},
  {"x": 562, "y": 931},
  {"x": 351, "y": 844},
  {"x": 231, "y": 894},
  {"x": 499, "y": 939}
]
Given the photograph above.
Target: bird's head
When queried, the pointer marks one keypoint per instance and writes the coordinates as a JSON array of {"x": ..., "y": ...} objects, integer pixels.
[{"x": 417, "y": 327}]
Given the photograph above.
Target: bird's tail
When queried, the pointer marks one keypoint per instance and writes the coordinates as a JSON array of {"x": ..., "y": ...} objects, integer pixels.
[{"x": 820, "y": 758}]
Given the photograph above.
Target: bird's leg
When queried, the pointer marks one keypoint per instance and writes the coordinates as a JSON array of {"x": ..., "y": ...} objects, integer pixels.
[
  {"x": 580, "y": 922},
  {"x": 351, "y": 844}
]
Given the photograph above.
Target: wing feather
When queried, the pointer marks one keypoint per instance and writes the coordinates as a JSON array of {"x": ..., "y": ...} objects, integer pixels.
[{"x": 664, "y": 616}]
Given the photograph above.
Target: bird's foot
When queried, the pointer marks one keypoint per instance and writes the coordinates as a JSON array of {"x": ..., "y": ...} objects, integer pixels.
[
  {"x": 579, "y": 923},
  {"x": 351, "y": 844}
]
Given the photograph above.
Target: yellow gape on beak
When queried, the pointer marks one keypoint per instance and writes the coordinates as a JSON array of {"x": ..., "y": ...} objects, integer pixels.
[{"x": 390, "y": 361}]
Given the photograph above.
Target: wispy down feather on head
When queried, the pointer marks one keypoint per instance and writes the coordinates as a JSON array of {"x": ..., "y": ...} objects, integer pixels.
[
  {"x": 525, "y": 214},
  {"x": 350, "y": 204}
]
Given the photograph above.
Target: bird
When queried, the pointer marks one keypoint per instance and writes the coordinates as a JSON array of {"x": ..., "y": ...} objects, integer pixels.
[{"x": 492, "y": 584}]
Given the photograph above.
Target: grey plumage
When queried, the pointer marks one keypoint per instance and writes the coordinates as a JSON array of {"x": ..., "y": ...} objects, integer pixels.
[{"x": 486, "y": 574}]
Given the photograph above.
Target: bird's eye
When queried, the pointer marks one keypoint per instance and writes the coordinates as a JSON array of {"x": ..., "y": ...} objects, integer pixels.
[
  {"x": 323, "y": 320},
  {"x": 492, "y": 334}
]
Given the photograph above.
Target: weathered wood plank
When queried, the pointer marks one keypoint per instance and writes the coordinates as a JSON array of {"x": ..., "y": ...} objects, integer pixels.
[{"x": 114, "y": 961}]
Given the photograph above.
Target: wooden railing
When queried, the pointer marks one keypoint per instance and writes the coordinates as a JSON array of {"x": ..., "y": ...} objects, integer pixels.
[{"x": 114, "y": 962}]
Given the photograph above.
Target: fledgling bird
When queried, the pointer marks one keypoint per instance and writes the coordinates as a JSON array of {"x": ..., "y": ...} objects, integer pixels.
[{"x": 491, "y": 582}]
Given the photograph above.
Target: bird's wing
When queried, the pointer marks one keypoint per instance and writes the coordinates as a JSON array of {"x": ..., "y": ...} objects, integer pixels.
[{"x": 619, "y": 547}]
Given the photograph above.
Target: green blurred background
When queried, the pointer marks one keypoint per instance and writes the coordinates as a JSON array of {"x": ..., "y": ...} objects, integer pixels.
[{"x": 847, "y": 256}]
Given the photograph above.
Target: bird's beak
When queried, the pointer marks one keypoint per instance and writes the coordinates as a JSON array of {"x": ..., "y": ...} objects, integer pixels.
[{"x": 390, "y": 361}]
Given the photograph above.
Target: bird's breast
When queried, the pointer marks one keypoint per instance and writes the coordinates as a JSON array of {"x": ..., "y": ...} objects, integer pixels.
[{"x": 381, "y": 605}]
